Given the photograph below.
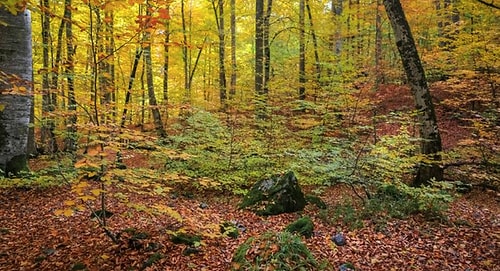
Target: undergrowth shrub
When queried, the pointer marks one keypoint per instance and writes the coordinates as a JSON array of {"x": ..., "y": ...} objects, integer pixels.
[
  {"x": 232, "y": 158},
  {"x": 274, "y": 251},
  {"x": 381, "y": 170},
  {"x": 42, "y": 178},
  {"x": 392, "y": 202}
]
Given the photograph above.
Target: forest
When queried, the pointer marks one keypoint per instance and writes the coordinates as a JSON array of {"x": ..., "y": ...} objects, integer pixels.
[{"x": 249, "y": 135}]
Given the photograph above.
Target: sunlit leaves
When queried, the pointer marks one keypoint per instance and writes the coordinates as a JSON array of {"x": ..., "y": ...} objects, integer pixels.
[
  {"x": 168, "y": 211},
  {"x": 64, "y": 212}
]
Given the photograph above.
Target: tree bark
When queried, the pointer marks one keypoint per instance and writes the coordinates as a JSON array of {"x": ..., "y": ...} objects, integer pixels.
[
  {"x": 219, "y": 18},
  {"x": 302, "y": 51},
  {"x": 317, "y": 62},
  {"x": 259, "y": 59},
  {"x": 262, "y": 55},
  {"x": 428, "y": 128},
  {"x": 379, "y": 78},
  {"x": 48, "y": 138},
  {"x": 259, "y": 47},
  {"x": 149, "y": 79},
  {"x": 16, "y": 76},
  {"x": 128, "y": 95},
  {"x": 185, "y": 57},
  {"x": 71, "y": 137},
  {"x": 234, "y": 67},
  {"x": 166, "y": 65}
]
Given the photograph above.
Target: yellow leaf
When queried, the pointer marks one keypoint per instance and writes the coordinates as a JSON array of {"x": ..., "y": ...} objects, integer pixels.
[
  {"x": 169, "y": 211},
  {"x": 68, "y": 212},
  {"x": 82, "y": 184},
  {"x": 69, "y": 202},
  {"x": 65, "y": 212},
  {"x": 97, "y": 192},
  {"x": 81, "y": 163},
  {"x": 2, "y": 107},
  {"x": 104, "y": 257}
]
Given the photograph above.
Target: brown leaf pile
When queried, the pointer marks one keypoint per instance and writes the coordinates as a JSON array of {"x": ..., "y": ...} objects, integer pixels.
[{"x": 32, "y": 237}]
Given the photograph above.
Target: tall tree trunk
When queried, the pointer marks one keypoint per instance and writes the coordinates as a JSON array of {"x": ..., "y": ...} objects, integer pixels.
[
  {"x": 166, "y": 60},
  {"x": 16, "y": 76},
  {"x": 128, "y": 96},
  {"x": 429, "y": 132},
  {"x": 267, "y": 45},
  {"x": 439, "y": 12},
  {"x": 262, "y": 54},
  {"x": 48, "y": 139},
  {"x": 234, "y": 67},
  {"x": 317, "y": 63},
  {"x": 71, "y": 137},
  {"x": 109, "y": 47},
  {"x": 302, "y": 51},
  {"x": 378, "y": 46},
  {"x": 57, "y": 64},
  {"x": 259, "y": 47},
  {"x": 149, "y": 78},
  {"x": 259, "y": 59},
  {"x": 337, "y": 41},
  {"x": 219, "y": 18},
  {"x": 185, "y": 57}
]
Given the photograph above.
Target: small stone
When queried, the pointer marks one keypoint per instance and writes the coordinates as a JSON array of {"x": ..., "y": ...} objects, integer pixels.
[
  {"x": 347, "y": 267},
  {"x": 339, "y": 239},
  {"x": 203, "y": 205},
  {"x": 241, "y": 227}
]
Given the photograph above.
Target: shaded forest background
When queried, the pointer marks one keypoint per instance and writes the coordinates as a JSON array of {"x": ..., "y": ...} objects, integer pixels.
[{"x": 186, "y": 70}]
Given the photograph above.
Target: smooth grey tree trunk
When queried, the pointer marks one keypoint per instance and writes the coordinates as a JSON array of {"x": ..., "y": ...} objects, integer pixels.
[
  {"x": 428, "y": 128},
  {"x": 16, "y": 76}
]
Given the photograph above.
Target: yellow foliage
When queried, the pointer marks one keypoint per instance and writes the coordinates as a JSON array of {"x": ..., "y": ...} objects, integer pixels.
[
  {"x": 65, "y": 212},
  {"x": 169, "y": 211}
]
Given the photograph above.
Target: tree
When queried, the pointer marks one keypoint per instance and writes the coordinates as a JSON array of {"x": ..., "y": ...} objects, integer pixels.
[
  {"x": 16, "y": 75},
  {"x": 71, "y": 142},
  {"x": 232, "y": 88},
  {"x": 302, "y": 51},
  {"x": 262, "y": 53},
  {"x": 149, "y": 73},
  {"x": 429, "y": 132},
  {"x": 317, "y": 63},
  {"x": 219, "y": 19},
  {"x": 48, "y": 138}
]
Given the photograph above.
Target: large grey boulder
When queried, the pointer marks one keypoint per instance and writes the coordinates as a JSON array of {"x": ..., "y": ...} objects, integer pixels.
[{"x": 278, "y": 194}]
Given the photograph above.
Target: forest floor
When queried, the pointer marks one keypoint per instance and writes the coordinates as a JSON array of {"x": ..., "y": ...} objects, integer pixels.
[{"x": 32, "y": 237}]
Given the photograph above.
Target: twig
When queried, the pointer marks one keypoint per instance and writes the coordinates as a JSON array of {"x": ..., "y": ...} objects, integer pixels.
[{"x": 99, "y": 219}]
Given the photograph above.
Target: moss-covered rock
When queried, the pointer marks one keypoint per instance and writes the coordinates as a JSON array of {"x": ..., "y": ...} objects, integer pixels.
[
  {"x": 276, "y": 251},
  {"x": 279, "y": 194},
  {"x": 303, "y": 226},
  {"x": 16, "y": 164}
]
